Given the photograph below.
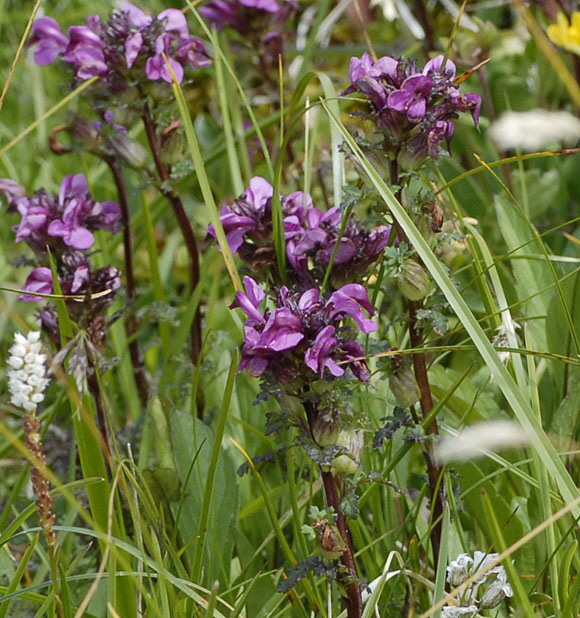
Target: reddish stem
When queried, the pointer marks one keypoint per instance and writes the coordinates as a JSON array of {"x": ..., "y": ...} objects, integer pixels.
[
  {"x": 130, "y": 321},
  {"x": 353, "y": 600},
  {"x": 436, "y": 488},
  {"x": 185, "y": 226}
]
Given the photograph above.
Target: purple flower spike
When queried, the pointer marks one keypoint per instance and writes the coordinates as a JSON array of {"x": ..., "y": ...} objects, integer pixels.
[
  {"x": 410, "y": 106},
  {"x": 39, "y": 281},
  {"x": 50, "y": 40},
  {"x": 130, "y": 39}
]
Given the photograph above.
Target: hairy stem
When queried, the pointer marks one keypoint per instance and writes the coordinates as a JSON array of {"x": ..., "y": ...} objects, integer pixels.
[
  {"x": 130, "y": 321},
  {"x": 416, "y": 336},
  {"x": 354, "y": 600},
  {"x": 41, "y": 487},
  {"x": 185, "y": 226}
]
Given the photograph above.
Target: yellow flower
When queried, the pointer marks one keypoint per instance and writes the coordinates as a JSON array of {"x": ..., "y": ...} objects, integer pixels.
[{"x": 565, "y": 34}]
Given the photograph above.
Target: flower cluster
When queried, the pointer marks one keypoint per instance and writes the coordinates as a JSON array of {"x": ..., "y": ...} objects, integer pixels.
[
  {"x": 63, "y": 226},
  {"x": 261, "y": 24},
  {"x": 27, "y": 374},
  {"x": 312, "y": 237},
  {"x": 130, "y": 44},
  {"x": 413, "y": 108},
  {"x": 26, "y": 382},
  {"x": 68, "y": 219},
  {"x": 303, "y": 329},
  {"x": 494, "y": 581}
]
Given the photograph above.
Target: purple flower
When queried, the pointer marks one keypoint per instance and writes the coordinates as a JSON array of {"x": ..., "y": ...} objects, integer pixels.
[
  {"x": 38, "y": 281},
  {"x": 435, "y": 65},
  {"x": 311, "y": 236},
  {"x": 50, "y": 40},
  {"x": 319, "y": 356},
  {"x": 85, "y": 51},
  {"x": 11, "y": 189},
  {"x": 193, "y": 53},
  {"x": 302, "y": 329},
  {"x": 412, "y": 98},
  {"x": 156, "y": 66},
  {"x": 78, "y": 211},
  {"x": 36, "y": 214},
  {"x": 366, "y": 77},
  {"x": 80, "y": 278},
  {"x": 129, "y": 40},
  {"x": 348, "y": 301},
  {"x": 72, "y": 216},
  {"x": 250, "y": 301},
  {"x": 247, "y": 213},
  {"x": 238, "y": 14},
  {"x": 366, "y": 68},
  {"x": 414, "y": 109}
]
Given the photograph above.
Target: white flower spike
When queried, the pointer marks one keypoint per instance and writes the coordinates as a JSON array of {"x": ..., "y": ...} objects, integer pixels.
[{"x": 27, "y": 377}]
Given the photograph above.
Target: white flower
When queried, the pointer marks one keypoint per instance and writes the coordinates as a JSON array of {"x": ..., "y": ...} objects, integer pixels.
[
  {"x": 502, "y": 339},
  {"x": 534, "y": 130},
  {"x": 496, "y": 592},
  {"x": 479, "y": 439},
  {"x": 458, "y": 569},
  {"x": 458, "y": 612},
  {"x": 27, "y": 376}
]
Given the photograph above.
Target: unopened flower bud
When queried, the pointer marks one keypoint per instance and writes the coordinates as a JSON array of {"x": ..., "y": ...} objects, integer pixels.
[
  {"x": 353, "y": 441},
  {"x": 325, "y": 429},
  {"x": 412, "y": 154},
  {"x": 172, "y": 148},
  {"x": 85, "y": 131},
  {"x": 413, "y": 281},
  {"x": 129, "y": 149},
  {"x": 404, "y": 387},
  {"x": 326, "y": 432}
]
